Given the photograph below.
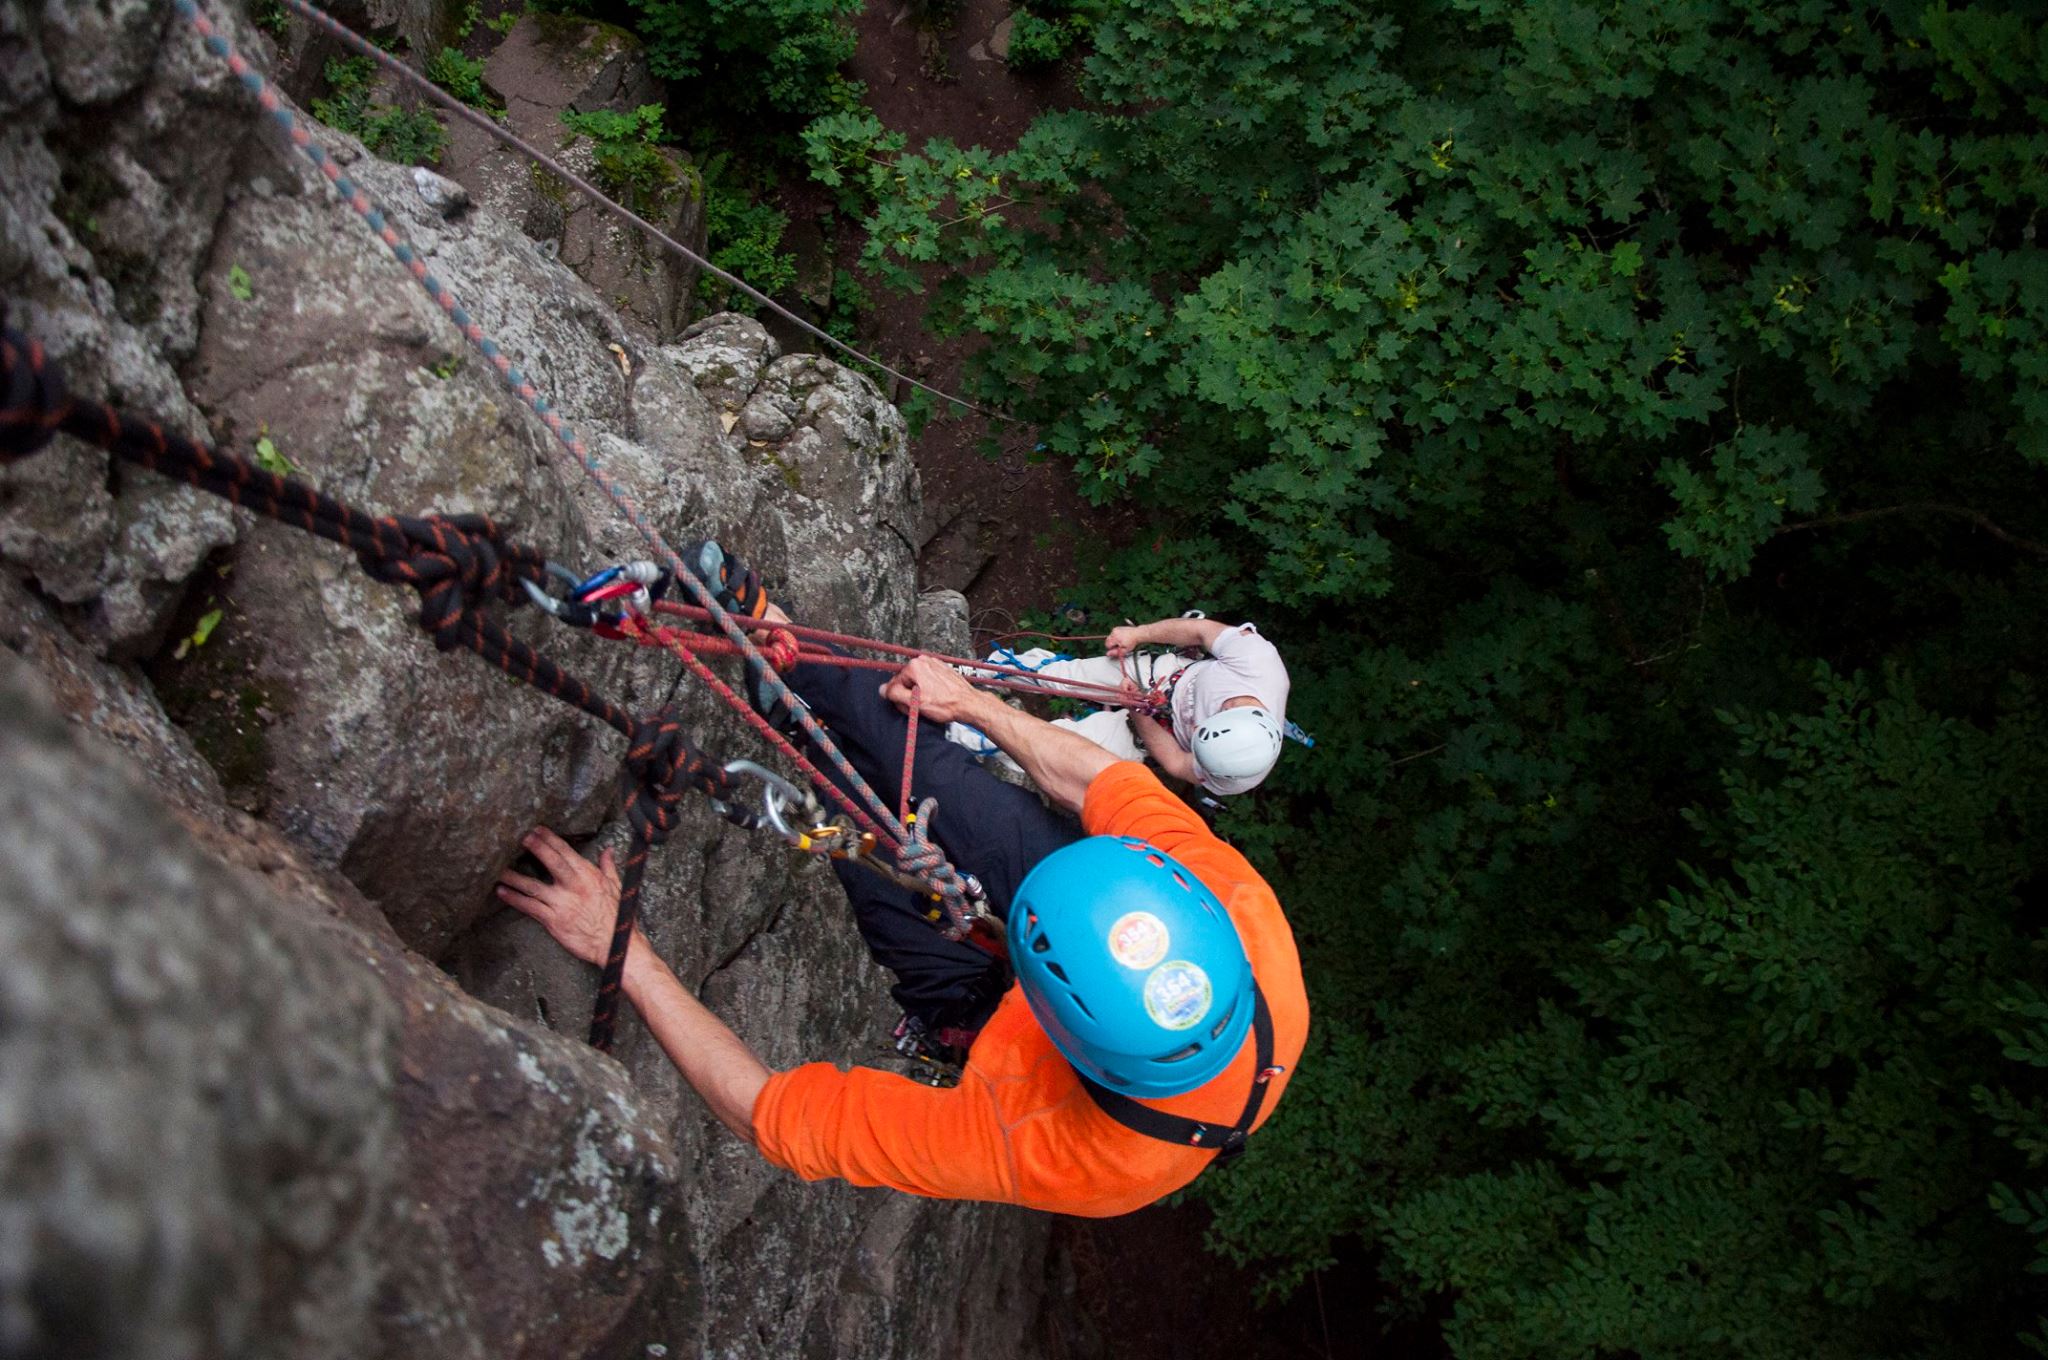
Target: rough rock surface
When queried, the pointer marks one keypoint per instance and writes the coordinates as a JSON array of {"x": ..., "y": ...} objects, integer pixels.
[
  {"x": 243, "y": 1120},
  {"x": 549, "y": 65},
  {"x": 104, "y": 230},
  {"x": 346, "y": 1153}
]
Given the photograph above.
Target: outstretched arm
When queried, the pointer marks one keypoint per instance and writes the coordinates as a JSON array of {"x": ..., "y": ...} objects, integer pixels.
[
  {"x": 1164, "y": 633},
  {"x": 578, "y": 909},
  {"x": 1062, "y": 764}
]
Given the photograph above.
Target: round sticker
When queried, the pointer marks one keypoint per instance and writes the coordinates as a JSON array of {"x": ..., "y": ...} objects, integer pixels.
[
  {"x": 1177, "y": 995},
  {"x": 1138, "y": 940}
]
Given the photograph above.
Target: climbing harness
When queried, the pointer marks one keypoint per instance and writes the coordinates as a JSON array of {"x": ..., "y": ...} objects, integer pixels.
[{"x": 935, "y": 1057}]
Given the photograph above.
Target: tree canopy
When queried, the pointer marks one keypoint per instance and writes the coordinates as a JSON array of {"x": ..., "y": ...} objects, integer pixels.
[{"x": 1630, "y": 420}]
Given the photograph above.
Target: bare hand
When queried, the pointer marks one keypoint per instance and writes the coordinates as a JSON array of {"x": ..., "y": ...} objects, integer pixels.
[
  {"x": 581, "y": 906},
  {"x": 1122, "y": 641},
  {"x": 943, "y": 694}
]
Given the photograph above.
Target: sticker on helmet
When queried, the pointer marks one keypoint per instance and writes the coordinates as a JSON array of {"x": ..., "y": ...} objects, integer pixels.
[
  {"x": 1138, "y": 940},
  {"x": 1177, "y": 995}
]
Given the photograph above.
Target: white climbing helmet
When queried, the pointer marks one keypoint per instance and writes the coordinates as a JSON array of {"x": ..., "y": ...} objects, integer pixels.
[{"x": 1238, "y": 743}]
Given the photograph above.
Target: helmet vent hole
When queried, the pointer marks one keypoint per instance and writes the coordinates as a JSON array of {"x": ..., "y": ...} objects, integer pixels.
[
  {"x": 1076, "y": 997},
  {"x": 1156, "y": 858},
  {"x": 1058, "y": 972},
  {"x": 1223, "y": 1024},
  {"x": 1040, "y": 943},
  {"x": 1182, "y": 879},
  {"x": 1180, "y": 1054}
]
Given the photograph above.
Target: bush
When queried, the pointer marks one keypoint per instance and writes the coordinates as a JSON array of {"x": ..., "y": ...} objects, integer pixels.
[
  {"x": 744, "y": 236},
  {"x": 740, "y": 56},
  {"x": 407, "y": 136},
  {"x": 629, "y": 163},
  {"x": 1036, "y": 42},
  {"x": 462, "y": 77}
]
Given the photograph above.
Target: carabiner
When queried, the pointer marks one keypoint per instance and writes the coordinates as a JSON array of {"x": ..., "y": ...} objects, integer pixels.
[
  {"x": 570, "y": 611},
  {"x": 778, "y": 796}
]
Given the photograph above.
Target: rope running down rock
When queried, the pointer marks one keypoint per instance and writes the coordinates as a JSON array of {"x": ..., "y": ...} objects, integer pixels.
[
  {"x": 957, "y": 908},
  {"x": 460, "y": 565}
]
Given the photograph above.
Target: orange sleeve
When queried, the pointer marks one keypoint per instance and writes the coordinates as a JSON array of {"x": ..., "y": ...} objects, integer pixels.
[
  {"x": 1128, "y": 800},
  {"x": 871, "y": 1127}
]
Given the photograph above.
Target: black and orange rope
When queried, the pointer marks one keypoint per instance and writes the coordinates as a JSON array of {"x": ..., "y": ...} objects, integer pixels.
[{"x": 459, "y": 565}]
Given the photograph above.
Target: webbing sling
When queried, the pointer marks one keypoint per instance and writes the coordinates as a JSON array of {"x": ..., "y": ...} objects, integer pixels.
[{"x": 1173, "y": 1128}]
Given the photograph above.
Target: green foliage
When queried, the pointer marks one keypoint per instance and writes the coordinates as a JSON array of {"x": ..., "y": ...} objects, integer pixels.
[
  {"x": 462, "y": 77},
  {"x": 271, "y": 16},
  {"x": 271, "y": 459},
  {"x": 1036, "y": 41},
  {"x": 1669, "y": 1000},
  {"x": 1466, "y": 243},
  {"x": 630, "y": 164},
  {"x": 408, "y": 136},
  {"x": 745, "y": 56},
  {"x": 1727, "y": 511},
  {"x": 503, "y": 22},
  {"x": 1743, "y": 1137},
  {"x": 745, "y": 239},
  {"x": 202, "y": 631},
  {"x": 240, "y": 286}
]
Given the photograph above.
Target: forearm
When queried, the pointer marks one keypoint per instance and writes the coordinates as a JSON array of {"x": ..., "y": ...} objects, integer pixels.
[
  {"x": 1182, "y": 632},
  {"x": 1062, "y": 764},
  {"x": 714, "y": 1060},
  {"x": 1166, "y": 753}
]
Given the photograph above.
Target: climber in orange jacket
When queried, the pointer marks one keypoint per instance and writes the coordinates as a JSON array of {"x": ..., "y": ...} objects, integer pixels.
[{"x": 1156, "y": 1014}]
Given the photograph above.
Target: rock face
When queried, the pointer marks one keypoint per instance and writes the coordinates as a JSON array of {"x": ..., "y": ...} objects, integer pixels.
[
  {"x": 245, "y": 1107},
  {"x": 244, "y": 1120},
  {"x": 549, "y": 65}
]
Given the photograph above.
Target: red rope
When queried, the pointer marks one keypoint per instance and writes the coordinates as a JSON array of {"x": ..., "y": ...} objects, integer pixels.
[
  {"x": 630, "y": 626},
  {"x": 987, "y": 674},
  {"x": 909, "y": 757}
]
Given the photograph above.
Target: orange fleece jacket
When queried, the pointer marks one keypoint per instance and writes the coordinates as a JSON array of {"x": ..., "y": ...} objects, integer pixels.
[{"x": 1019, "y": 1128}]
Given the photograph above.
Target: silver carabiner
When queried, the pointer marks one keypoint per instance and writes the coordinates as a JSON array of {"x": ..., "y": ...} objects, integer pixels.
[
  {"x": 778, "y": 796},
  {"x": 560, "y": 609}
]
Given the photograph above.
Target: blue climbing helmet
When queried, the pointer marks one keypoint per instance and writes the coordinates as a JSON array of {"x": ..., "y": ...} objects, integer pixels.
[{"x": 1132, "y": 966}]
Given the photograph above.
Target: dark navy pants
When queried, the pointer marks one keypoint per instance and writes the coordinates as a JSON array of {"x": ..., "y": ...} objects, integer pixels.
[{"x": 993, "y": 830}]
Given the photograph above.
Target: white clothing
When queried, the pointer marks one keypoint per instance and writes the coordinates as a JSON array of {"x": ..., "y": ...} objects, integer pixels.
[{"x": 1241, "y": 663}]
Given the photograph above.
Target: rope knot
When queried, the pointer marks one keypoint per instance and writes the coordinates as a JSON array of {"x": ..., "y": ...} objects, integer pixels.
[
  {"x": 457, "y": 563},
  {"x": 922, "y": 857},
  {"x": 36, "y": 403},
  {"x": 781, "y": 649},
  {"x": 661, "y": 764}
]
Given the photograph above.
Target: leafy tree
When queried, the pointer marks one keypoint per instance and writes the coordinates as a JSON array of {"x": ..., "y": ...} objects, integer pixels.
[
  {"x": 1559, "y": 382},
  {"x": 744, "y": 55}
]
